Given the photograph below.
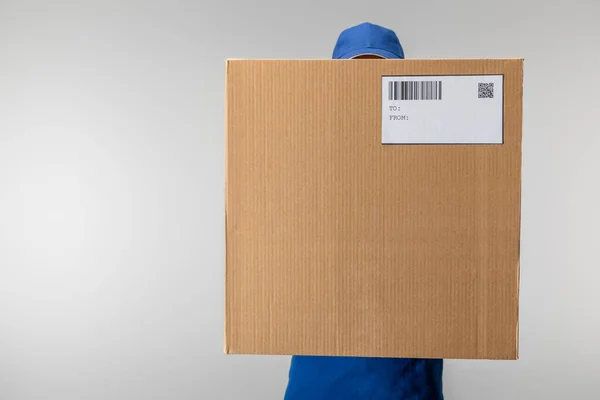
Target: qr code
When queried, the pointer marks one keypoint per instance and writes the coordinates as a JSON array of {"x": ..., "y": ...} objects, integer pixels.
[{"x": 486, "y": 90}]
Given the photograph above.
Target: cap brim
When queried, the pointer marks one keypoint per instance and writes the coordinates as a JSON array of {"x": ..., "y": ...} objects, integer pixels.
[{"x": 369, "y": 51}]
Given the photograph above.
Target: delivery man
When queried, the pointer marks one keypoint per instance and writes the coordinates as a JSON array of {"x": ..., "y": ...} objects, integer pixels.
[{"x": 358, "y": 378}]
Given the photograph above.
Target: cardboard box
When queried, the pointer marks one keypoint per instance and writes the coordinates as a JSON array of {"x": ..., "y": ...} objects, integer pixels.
[{"x": 369, "y": 213}]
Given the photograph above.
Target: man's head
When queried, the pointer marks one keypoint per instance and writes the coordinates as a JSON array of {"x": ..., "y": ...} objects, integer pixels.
[{"x": 368, "y": 40}]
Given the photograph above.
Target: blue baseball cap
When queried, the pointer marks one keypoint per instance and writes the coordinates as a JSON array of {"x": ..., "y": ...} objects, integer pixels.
[{"x": 368, "y": 39}]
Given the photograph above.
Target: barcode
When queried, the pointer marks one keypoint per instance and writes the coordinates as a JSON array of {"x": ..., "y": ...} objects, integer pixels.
[{"x": 415, "y": 90}]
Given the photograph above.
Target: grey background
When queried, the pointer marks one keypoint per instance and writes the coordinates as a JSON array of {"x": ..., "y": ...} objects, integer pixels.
[{"x": 111, "y": 189}]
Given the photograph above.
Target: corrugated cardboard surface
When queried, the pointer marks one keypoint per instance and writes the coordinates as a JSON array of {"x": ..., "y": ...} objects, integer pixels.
[{"x": 339, "y": 245}]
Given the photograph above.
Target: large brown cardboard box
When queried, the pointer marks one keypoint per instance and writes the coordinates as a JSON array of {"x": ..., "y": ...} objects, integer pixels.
[{"x": 373, "y": 207}]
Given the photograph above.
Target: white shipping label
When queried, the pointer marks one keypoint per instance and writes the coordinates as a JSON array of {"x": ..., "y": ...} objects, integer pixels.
[{"x": 449, "y": 109}]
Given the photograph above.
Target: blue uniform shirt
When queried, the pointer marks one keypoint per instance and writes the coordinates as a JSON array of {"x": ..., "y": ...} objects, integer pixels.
[{"x": 358, "y": 378}]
